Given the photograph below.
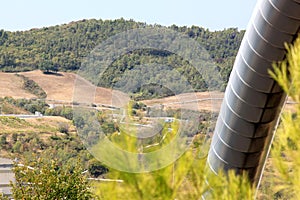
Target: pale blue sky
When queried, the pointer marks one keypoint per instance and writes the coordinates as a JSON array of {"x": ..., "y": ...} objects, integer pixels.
[{"x": 212, "y": 14}]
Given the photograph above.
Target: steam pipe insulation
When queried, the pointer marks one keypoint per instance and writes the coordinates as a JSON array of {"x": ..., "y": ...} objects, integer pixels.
[{"x": 253, "y": 100}]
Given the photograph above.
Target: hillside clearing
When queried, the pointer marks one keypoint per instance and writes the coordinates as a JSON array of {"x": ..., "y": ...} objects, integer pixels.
[
  {"x": 60, "y": 88},
  {"x": 45, "y": 125},
  {"x": 12, "y": 86}
]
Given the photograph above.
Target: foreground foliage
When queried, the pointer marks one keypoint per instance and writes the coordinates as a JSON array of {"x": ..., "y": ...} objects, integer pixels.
[
  {"x": 47, "y": 179},
  {"x": 187, "y": 178},
  {"x": 286, "y": 148}
]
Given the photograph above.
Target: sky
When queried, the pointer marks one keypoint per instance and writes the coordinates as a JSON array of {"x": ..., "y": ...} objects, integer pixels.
[{"x": 211, "y": 14}]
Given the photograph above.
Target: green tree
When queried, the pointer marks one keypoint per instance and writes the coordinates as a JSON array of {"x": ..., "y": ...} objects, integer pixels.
[
  {"x": 63, "y": 127},
  {"x": 17, "y": 147},
  {"x": 47, "y": 179},
  {"x": 3, "y": 140}
]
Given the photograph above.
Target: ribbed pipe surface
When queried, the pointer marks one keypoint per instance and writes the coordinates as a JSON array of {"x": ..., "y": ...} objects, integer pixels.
[{"x": 253, "y": 100}]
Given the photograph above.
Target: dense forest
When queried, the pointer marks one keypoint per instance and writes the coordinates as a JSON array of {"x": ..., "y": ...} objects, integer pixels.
[{"x": 63, "y": 47}]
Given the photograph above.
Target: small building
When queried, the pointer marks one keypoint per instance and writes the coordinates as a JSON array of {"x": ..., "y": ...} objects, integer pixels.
[
  {"x": 6, "y": 176},
  {"x": 39, "y": 114}
]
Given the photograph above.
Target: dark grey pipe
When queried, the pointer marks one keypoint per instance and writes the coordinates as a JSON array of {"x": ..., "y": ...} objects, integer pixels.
[{"x": 253, "y": 100}]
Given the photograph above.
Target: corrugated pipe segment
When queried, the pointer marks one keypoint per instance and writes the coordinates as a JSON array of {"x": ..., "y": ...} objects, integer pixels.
[{"x": 253, "y": 100}]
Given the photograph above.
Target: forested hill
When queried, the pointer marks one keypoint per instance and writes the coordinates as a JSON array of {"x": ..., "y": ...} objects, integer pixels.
[{"x": 62, "y": 47}]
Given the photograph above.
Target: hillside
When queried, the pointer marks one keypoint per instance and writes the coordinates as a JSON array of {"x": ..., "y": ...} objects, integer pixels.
[
  {"x": 27, "y": 139},
  {"x": 63, "y": 47},
  {"x": 60, "y": 90},
  {"x": 60, "y": 87},
  {"x": 57, "y": 86}
]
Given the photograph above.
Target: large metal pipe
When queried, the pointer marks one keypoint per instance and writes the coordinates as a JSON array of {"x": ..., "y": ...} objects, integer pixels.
[{"x": 253, "y": 100}]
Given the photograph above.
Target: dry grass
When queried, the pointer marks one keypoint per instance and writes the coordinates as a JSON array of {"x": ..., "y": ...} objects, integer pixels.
[
  {"x": 45, "y": 125},
  {"x": 7, "y": 108},
  {"x": 11, "y": 85},
  {"x": 209, "y": 101},
  {"x": 43, "y": 128},
  {"x": 60, "y": 87}
]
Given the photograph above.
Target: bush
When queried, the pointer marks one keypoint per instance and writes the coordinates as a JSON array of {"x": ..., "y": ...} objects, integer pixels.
[
  {"x": 32, "y": 87},
  {"x": 96, "y": 168},
  {"x": 63, "y": 127},
  {"x": 63, "y": 111}
]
